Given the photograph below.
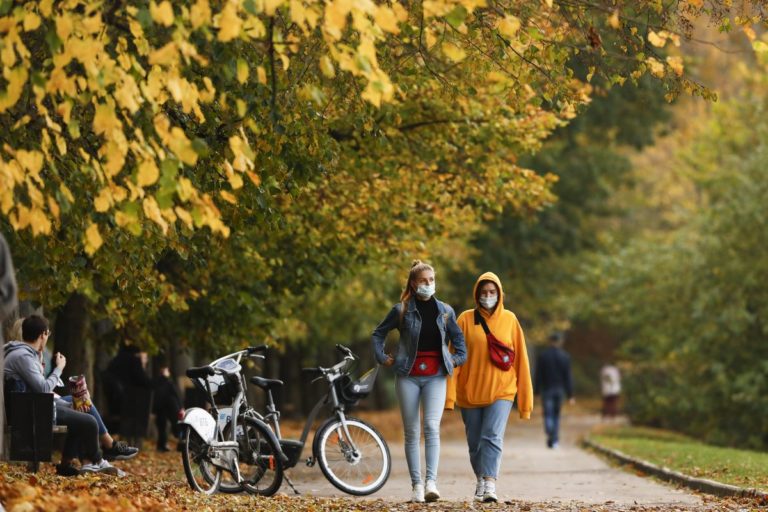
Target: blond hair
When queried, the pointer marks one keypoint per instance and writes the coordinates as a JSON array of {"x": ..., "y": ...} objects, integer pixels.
[
  {"x": 15, "y": 333},
  {"x": 417, "y": 267}
]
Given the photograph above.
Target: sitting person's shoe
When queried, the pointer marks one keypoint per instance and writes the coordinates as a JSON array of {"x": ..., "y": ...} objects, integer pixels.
[
  {"x": 163, "y": 448},
  {"x": 120, "y": 451},
  {"x": 418, "y": 493},
  {"x": 489, "y": 494},
  {"x": 66, "y": 470},
  {"x": 430, "y": 492},
  {"x": 102, "y": 467},
  {"x": 479, "y": 489}
]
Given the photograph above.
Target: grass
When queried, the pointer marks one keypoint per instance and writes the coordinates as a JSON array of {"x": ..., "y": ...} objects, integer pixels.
[{"x": 743, "y": 468}]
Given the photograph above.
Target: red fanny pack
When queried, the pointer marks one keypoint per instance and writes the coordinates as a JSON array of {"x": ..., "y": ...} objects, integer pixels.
[
  {"x": 427, "y": 363},
  {"x": 502, "y": 356}
]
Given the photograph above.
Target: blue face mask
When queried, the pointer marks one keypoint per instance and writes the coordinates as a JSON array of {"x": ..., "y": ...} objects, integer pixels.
[{"x": 425, "y": 291}]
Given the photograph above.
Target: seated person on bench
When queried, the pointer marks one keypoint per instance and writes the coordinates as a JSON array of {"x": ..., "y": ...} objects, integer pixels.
[
  {"x": 111, "y": 449},
  {"x": 23, "y": 372}
]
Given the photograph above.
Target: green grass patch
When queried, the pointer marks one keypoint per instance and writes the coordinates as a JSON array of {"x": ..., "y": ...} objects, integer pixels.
[{"x": 664, "y": 448}]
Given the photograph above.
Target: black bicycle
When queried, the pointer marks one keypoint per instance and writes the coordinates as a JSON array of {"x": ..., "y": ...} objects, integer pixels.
[{"x": 351, "y": 453}]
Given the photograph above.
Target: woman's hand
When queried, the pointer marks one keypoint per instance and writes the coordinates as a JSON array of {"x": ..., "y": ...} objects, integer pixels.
[{"x": 390, "y": 361}]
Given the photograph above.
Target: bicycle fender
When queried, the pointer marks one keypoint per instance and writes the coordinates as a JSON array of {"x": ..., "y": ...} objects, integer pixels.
[
  {"x": 272, "y": 437},
  {"x": 201, "y": 421},
  {"x": 319, "y": 430}
]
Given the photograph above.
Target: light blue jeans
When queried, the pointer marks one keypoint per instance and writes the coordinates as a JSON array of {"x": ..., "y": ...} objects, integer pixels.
[
  {"x": 484, "y": 427},
  {"x": 429, "y": 393}
]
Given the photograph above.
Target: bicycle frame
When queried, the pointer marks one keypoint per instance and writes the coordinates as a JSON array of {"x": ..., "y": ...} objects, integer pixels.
[{"x": 331, "y": 398}]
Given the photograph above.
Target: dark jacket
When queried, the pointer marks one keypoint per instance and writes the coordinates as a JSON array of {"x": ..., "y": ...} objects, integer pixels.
[{"x": 553, "y": 372}]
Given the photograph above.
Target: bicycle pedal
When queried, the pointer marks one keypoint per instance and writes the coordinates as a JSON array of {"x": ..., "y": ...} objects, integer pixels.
[{"x": 310, "y": 461}]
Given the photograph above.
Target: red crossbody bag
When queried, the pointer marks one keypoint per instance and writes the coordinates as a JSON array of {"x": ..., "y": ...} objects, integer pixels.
[{"x": 502, "y": 356}]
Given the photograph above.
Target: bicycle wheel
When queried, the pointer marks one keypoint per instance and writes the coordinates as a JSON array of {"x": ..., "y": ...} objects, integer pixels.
[
  {"x": 260, "y": 465},
  {"x": 359, "y": 473},
  {"x": 202, "y": 475}
]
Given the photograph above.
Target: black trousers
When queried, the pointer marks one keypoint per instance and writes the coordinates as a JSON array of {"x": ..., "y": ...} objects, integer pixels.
[
  {"x": 82, "y": 434},
  {"x": 162, "y": 418}
]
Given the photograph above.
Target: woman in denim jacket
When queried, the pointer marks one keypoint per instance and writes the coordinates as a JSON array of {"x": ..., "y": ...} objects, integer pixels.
[{"x": 422, "y": 363}]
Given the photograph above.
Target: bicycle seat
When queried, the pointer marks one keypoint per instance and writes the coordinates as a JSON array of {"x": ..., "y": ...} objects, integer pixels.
[
  {"x": 266, "y": 384},
  {"x": 200, "y": 373}
]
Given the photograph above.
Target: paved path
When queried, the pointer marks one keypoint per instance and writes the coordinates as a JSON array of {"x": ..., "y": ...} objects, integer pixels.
[{"x": 529, "y": 471}]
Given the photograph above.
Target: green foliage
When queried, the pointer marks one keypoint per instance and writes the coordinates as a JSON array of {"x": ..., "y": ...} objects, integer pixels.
[{"x": 692, "y": 301}]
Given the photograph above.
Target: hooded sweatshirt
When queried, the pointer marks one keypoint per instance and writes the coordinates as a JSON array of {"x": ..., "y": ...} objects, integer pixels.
[
  {"x": 479, "y": 382},
  {"x": 23, "y": 369}
]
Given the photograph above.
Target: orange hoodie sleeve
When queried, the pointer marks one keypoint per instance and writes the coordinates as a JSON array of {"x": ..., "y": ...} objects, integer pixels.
[{"x": 523, "y": 370}]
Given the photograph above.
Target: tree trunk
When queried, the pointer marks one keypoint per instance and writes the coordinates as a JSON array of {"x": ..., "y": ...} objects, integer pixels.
[{"x": 70, "y": 338}]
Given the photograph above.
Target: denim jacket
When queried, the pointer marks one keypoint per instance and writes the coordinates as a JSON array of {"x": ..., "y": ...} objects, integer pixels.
[{"x": 409, "y": 337}]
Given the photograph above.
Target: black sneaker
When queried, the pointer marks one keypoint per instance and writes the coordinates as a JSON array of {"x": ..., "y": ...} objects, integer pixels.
[
  {"x": 66, "y": 470},
  {"x": 120, "y": 451}
]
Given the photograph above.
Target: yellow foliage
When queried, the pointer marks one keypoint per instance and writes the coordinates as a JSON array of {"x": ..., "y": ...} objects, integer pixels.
[
  {"x": 200, "y": 14},
  {"x": 676, "y": 63},
  {"x": 509, "y": 25},
  {"x": 453, "y": 52},
  {"x": 147, "y": 174},
  {"x": 229, "y": 23},
  {"x": 16, "y": 79},
  {"x": 93, "y": 239},
  {"x": 162, "y": 14}
]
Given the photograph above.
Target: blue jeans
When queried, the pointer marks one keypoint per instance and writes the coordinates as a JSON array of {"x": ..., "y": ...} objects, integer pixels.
[
  {"x": 429, "y": 392},
  {"x": 93, "y": 412},
  {"x": 552, "y": 402},
  {"x": 484, "y": 427}
]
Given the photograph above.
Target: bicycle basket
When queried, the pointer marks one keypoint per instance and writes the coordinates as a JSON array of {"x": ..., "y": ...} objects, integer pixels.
[
  {"x": 223, "y": 387},
  {"x": 350, "y": 392}
]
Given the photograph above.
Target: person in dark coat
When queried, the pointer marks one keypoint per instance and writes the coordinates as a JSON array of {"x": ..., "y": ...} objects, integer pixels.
[
  {"x": 167, "y": 407},
  {"x": 127, "y": 369},
  {"x": 552, "y": 380}
]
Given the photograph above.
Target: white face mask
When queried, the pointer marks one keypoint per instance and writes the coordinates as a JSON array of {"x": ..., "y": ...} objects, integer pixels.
[
  {"x": 425, "y": 291},
  {"x": 489, "y": 302}
]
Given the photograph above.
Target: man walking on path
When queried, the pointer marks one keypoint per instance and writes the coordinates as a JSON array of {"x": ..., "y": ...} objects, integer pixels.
[{"x": 553, "y": 382}]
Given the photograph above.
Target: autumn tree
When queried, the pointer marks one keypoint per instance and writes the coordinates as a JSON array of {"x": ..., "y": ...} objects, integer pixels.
[{"x": 218, "y": 157}]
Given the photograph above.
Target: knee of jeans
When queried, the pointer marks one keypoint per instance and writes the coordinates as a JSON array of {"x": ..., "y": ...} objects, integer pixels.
[
  {"x": 431, "y": 428},
  {"x": 411, "y": 433}
]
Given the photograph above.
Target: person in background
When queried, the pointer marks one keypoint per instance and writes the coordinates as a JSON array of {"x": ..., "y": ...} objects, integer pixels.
[
  {"x": 422, "y": 363},
  {"x": 8, "y": 303},
  {"x": 485, "y": 392},
  {"x": 610, "y": 386},
  {"x": 554, "y": 384},
  {"x": 127, "y": 369},
  {"x": 166, "y": 406}
]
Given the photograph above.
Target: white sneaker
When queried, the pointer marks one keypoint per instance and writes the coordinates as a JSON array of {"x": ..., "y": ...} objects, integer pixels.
[
  {"x": 101, "y": 467},
  {"x": 418, "y": 494},
  {"x": 489, "y": 494},
  {"x": 431, "y": 493},
  {"x": 479, "y": 489}
]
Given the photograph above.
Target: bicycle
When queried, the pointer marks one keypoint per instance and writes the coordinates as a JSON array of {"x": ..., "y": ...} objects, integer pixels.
[
  {"x": 351, "y": 453},
  {"x": 211, "y": 446}
]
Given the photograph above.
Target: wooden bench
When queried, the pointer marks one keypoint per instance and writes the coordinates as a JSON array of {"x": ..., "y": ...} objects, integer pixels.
[{"x": 30, "y": 428}]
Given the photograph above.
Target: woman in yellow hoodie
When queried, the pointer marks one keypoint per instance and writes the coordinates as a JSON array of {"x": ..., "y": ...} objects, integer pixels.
[{"x": 483, "y": 391}]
